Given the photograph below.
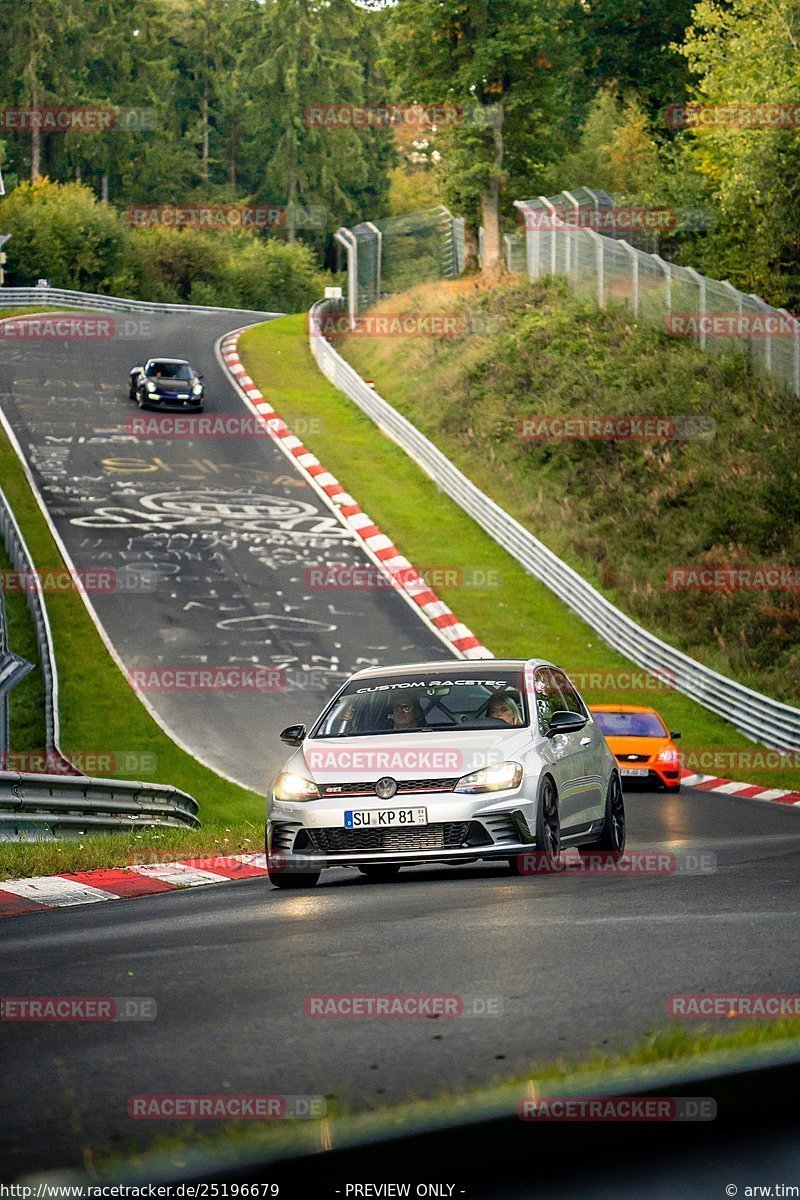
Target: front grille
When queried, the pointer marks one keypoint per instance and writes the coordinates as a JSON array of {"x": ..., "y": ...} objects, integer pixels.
[
  {"x": 448, "y": 836},
  {"x": 622, "y": 759},
  {"x": 404, "y": 787}
]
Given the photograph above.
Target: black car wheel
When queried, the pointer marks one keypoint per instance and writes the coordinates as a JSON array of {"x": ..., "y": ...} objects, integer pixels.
[
  {"x": 612, "y": 836},
  {"x": 548, "y": 836}
]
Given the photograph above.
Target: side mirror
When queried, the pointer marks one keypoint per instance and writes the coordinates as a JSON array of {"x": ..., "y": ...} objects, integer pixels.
[
  {"x": 565, "y": 722},
  {"x": 201, "y": 376},
  {"x": 293, "y": 735},
  {"x": 674, "y": 734}
]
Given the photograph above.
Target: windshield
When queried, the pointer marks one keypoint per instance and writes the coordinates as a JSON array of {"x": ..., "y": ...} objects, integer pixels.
[
  {"x": 625, "y": 724},
  {"x": 168, "y": 370},
  {"x": 424, "y": 702}
]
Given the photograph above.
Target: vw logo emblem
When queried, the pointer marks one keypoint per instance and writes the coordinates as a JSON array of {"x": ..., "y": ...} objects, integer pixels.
[{"x": 385, "y": 788}]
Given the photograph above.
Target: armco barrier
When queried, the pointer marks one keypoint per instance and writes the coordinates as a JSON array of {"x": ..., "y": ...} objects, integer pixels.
[
  {"x": 757, "y": 716},
  {"x": 17, "y": 551},
  {"x": 48, "y": 806},
  {"x": 52, "y": 297}
]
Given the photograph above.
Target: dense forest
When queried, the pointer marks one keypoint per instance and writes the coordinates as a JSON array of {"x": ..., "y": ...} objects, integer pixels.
[{"x": 212, "y": 102}]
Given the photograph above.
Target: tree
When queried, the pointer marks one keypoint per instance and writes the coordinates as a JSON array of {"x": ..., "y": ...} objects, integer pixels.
[
  {"x": 506, "y": 65},
  {"x": 746, "y": 53},
  {"x": 630, "y": 46},
  {"x": 305, "y": 55}
]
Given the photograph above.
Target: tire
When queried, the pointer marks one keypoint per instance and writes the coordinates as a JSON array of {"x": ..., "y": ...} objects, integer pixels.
[
  {"x": 612, "y": 836},
  {"x": 294, "y": 879},
  {"x": 380, "y": 874},
  {"x": 671, "y": 789},
  {"x": 548, "y": 834}
]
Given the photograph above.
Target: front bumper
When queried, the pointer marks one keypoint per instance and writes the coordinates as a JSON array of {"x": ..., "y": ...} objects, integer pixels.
[
  {"x": 195, "y": 404},
  {"x": 460, "y": 829},
  {"x": 661, "y": 774}
]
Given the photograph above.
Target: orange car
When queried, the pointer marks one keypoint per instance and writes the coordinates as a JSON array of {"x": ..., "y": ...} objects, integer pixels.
[{"x": 641, "y": 743}]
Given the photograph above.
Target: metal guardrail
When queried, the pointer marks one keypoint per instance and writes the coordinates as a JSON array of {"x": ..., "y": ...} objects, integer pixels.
[
  {"x": 48, "y": 806},
  {"x": 69, "y": 806},
  {"x": 21, "y": 560},
  {"x": 757, "y": 716},
  {"x": 12, "y": 296}
]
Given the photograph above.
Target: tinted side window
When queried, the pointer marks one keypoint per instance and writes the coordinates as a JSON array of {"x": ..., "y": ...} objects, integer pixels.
[
  {"x": 548, "y": 697},
  {"x": 572, "y": 701}
]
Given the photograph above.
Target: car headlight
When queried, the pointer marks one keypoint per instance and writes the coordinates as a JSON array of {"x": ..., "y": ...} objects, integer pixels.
[
  {"x": 289, "y": 786},
  {"x": 197, "y": 390},
  {"x": 497, "y": 778},
  {"x": 151, "y": 387},
  {"x": 668, "y": 755}
]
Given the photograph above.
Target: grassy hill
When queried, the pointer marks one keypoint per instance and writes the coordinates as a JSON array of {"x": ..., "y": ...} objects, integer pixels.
[{"x": 622, "y": 512}]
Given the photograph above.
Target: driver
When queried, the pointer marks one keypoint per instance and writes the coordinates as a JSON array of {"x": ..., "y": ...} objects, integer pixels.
[{"x": 406, "y": 712}]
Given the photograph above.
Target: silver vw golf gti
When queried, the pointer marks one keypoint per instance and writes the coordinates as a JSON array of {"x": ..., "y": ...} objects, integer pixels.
[{"x": 444, "y": 762}]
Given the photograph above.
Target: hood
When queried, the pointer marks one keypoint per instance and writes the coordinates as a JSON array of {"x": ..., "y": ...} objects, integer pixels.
[
  {"x": 406, "y": 755},
  {"x": 173, "y": 385},
  {"x": 620, "y": 746}
]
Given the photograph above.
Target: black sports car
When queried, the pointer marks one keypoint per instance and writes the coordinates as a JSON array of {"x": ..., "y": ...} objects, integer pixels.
[{"x": 169, "y": 384}]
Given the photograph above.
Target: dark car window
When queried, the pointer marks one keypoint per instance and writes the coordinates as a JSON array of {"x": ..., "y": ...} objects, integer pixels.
[
  {"x": 166, "y": 370},
  {"x": 548, "y": 696},
  {"x": 625, "y": 724},
  {"x": 447, "y": 700},
  {"x": 572, "y": 701}
]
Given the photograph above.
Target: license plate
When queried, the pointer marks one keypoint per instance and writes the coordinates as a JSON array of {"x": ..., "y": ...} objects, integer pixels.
[
  {"x": 384, "y": 817},
  {"x": 635, "y": 772}
]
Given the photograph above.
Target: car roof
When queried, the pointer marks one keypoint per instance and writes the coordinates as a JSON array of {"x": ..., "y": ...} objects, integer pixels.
[
  {"x": 623, "y": 708},
  {"x": 517, "y": 664},
  {"x": 184, "y": 362}
]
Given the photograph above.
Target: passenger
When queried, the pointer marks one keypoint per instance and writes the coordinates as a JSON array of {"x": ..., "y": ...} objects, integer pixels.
[{"x": 503, "y": 708}]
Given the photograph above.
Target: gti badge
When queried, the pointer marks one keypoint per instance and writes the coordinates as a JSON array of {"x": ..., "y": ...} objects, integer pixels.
[{"x": 385, "y": 788}]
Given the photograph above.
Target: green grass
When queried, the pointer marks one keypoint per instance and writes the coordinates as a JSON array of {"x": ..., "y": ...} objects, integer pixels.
[
  {"x": 99, "y": 710},
  {"x": 521, "y": 618},
  {"x": 26, "y": 700},
  {"x": 650, "y": 1061},
  {"x": 21, "y": 860},
  {"x": 24, "y": 309}
]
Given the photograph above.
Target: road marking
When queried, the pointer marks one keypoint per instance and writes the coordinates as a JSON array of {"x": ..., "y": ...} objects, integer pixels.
[{"x": 56, "y": 890}]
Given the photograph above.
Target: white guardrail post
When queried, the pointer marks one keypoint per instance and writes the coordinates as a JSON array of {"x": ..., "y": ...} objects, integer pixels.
[{"x": 757, "y": 716}]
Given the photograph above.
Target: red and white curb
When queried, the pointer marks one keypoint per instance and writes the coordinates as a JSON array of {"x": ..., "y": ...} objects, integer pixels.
[
  {"x": 380, "y": 548},
  {"x": 19, "y": 896},
  {"x": 745, "y": 791}
]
